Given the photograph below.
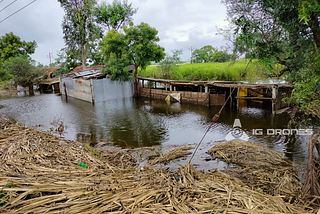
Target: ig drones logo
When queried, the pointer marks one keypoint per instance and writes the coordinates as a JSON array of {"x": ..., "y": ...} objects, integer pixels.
[{"x": 237, "y": 133}]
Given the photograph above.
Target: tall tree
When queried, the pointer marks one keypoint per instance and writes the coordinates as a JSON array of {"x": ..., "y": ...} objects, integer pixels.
[
  {"x": 79, "y": 28},
  {"x": 24, "y": 71},
  {"x": 137, "y": 46},
  {"x": 116, "y": 15},
  {"x": 12, "y": 46}
]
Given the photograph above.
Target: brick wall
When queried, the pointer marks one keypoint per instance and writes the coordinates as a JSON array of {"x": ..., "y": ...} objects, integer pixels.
[{"x": 186, "y": 96}]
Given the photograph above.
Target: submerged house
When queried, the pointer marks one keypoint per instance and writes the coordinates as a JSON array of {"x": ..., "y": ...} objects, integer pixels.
[
  {"x": 216, "y": 93},
  {"x": 49, "y": 82},
  {"x": 93, "y": 86}
]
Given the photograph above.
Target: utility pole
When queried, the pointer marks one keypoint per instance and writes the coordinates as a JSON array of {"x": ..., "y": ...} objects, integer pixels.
[
  {"x": 191, "y": 49},
  {"x": 49, "y": 56}
]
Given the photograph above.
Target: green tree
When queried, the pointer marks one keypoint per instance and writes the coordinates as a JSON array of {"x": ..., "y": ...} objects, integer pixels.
[
  {"x": 67, "y": 60},
  {"x": 12, "y": 46},
  {"x": 24, "y": 71},
  {"x": 4, "y": 74},
  {"x": 221, "y": 56},
  {"x": 283, "y": 32},
  {"x": 80, "y": 31},
  {"x": 210, "y": 54},
  {"x": 116, "y": 15},
  {"x": 137, "y": 46},
  {"x": 204, "y": 54},
  {"x": 169, "y": 63}
]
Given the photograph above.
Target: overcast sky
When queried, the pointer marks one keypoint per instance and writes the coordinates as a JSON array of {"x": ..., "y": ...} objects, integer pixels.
[{"x": 180, "y": 23}]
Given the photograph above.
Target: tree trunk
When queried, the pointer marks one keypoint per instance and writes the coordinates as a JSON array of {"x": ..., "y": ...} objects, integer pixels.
[
  {"x": 135, "y": 74},
  {"x": 31, "y": 92},
  {"x": 315, "y": 29},
  {"x": 84, "y": 56}
]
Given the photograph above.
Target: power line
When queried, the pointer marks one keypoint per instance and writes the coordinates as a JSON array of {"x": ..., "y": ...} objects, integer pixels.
[
  {"x": 17, "y": 11},
  {"x": 8, "y": 5}
]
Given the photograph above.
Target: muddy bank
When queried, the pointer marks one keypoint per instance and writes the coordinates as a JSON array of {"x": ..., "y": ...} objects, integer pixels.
[
  {"x": 8, "y": 92},
  {"x": 40, "y": 173}
]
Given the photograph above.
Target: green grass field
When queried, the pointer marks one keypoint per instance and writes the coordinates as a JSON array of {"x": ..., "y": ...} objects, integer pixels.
[{"x": 228, "y": 71}]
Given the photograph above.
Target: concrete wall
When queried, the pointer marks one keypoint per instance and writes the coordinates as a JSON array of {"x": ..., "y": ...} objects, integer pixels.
[{"x": 186, "y": 96}]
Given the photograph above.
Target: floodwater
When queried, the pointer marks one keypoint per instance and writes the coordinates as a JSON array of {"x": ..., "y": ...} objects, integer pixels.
[{"x": 144, "y": 122}]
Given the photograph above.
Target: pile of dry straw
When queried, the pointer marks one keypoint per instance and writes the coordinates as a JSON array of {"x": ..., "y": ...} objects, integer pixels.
[{"x": 40, "y": 174}]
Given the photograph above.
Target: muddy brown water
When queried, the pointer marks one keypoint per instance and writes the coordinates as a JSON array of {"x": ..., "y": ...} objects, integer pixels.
[{"x": 143, "y": 122}]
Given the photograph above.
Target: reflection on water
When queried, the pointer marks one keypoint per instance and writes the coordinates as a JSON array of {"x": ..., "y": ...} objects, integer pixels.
[{"x": 145, "y": 122}]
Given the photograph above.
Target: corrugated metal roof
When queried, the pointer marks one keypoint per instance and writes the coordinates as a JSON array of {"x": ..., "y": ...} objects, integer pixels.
[
  {"x": 80, "y": 68},
  {"x": 86, "y": 73},
  {"x": 94, "y": 75}
]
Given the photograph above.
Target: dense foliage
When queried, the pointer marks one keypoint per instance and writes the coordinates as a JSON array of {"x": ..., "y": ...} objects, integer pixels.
[
  {"x": 11, "y": 46},
  {"x": 136, "y": 46},
  {"x": 115, "y": 15},
  {"x": 24, "y": 71},
  {"x": 210, "y": 54},
  {"x": 79, "y": 28},
  {"x": 282, "y": 32}
]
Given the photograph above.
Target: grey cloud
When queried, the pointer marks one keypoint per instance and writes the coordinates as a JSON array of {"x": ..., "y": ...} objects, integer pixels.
[{"x": 180, "y": 23}]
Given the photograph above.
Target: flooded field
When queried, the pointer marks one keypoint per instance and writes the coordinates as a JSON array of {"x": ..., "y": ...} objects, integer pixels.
[{"x": 143, "y": 122}]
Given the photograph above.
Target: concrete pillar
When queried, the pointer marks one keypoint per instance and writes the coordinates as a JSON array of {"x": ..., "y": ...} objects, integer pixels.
[
  {"x": 274, "y": 98},
  {"x": 206, "y": 90},
  {"x": 170, "y": 87},
  {"x": 274, "y": 92},
  {"x": 175, "y": 88}
]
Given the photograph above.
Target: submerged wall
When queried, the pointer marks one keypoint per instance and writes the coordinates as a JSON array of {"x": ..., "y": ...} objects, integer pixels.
[
  {"x": 105, "y": 89},
  {"x": 199, "y": 98},
  {"x": 97, "y": 90},
  {"x": 77, "y": 88}
]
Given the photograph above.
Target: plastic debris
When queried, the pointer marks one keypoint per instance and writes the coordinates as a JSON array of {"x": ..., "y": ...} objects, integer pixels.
[{"x": 83, "y": 165}]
